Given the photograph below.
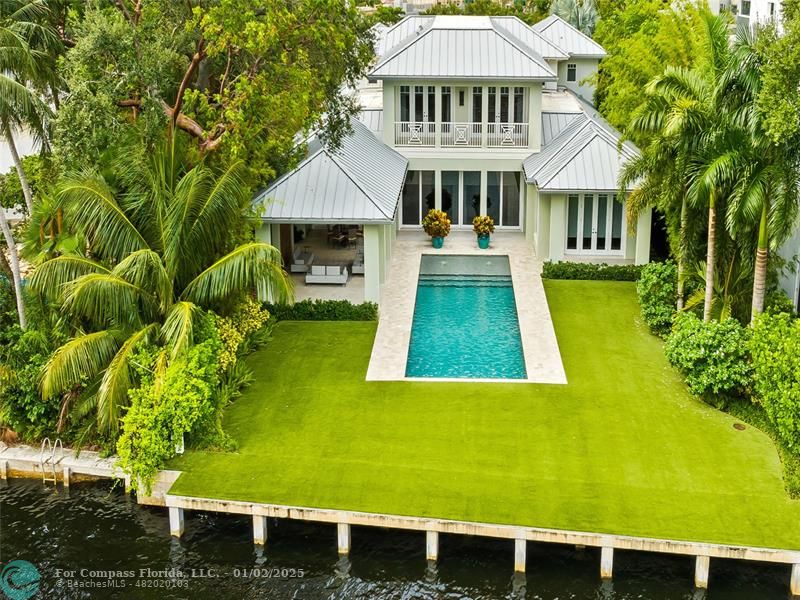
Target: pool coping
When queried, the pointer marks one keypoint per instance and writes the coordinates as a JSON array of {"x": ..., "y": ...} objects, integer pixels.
[{"x": 539, "y": 344}]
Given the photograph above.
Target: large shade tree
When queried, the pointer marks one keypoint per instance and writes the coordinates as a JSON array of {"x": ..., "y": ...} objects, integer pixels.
[{"x": 164, "y": 240}]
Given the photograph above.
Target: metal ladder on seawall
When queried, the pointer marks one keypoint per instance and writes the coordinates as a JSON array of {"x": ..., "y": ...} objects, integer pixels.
[{"x": 50, "y": 460}]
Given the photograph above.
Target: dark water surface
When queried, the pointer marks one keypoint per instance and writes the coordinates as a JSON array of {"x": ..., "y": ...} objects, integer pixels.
[{"x": 95, "y": 527}]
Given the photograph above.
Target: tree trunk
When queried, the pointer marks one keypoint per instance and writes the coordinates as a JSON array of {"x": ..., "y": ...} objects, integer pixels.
[
  {"x": 682, "y": 253},
  {"x": 12, "y": 252},
  {"x": 760, "y": 275},
  {"x": 5, "y": 268},
  {"x": 23, "y": 181},
  {"x": 710, "y": 258}
]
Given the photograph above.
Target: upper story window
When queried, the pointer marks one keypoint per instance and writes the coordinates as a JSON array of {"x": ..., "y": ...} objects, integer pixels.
[
  {"x": 447, "y": 107},
  {"x": 746, "y": 7},
  {"x": 504, "y": 104},
  {"x": 519, "y": 105},
  {"x": 477, "y": 104},
  {"x": 572, "y": 72},
  {"x": 405, "y": 103},
  {"x": 417, "y": 103},
  {"x": 492, "y": 92}
]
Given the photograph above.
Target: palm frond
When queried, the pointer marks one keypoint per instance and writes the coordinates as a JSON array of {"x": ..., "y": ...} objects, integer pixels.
[
  {"x": 105, "y": 298},
  {"x": 97, "y": 214},
  {"x": 117, "y": 380},
  {"x": 178, "y": 328},
  {"x": 77, "y": 361},
  {"x": 145, "y": 270},
  {"x": 243, "y": 270},
  {"x": 50, "y": 277}
]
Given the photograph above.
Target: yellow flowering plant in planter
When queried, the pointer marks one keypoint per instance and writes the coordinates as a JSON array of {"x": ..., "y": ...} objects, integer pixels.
[
  {"x": 483, "y": 226},
  {"x": 437, "y": 225}
]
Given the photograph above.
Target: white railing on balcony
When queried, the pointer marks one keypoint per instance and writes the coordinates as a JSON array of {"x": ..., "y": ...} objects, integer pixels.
[
  {"x": 467, "y": 135},
  {"x": 461, "y": 135},
  {"x": 414, "y": 133},
  {"x": 511, "y": 135}
]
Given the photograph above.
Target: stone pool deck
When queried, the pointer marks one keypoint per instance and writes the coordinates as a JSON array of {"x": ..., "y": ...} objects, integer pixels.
[{"x": 539, "y": 344}]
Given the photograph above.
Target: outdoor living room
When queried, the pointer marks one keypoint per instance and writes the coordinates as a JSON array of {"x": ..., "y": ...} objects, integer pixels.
[{"x": 328, "y": 262}]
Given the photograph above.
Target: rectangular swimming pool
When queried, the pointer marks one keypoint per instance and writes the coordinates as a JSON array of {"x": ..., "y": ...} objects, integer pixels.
[{"x": 465, "y": 320}]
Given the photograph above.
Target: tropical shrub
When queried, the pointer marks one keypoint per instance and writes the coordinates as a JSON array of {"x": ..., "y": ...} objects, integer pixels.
[
  {"x": 170, "y": 403},
  {"x": 166, "y": 241},
  {"x": 324, "y": 310},
  {"x": 778, "y": 302},
  {"x": 775, "y": 350},
  {"x": 483, "y": 225},
  {"x": 602, "y": 272},
  {"x": 436, "y": 223},
  {"x": 712, "y": 356},
  {"x": 234, "y": 330},
  {"x": 657, "y": 289}
]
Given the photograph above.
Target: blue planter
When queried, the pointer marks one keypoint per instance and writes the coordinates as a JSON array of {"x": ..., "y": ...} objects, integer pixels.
[
  {"x": 437, "y": 241},
  {"x": 483, "y": 242}
]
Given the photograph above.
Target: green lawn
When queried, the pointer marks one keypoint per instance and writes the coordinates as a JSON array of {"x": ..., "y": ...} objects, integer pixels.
[{"x": 623, "y": 448}]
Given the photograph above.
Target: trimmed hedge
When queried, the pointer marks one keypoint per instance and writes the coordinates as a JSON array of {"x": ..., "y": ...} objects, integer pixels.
[
  {"x": 657, "y": 290},
  {"x": 591, "y": 271},
  {"x": 324, "y": 310}
]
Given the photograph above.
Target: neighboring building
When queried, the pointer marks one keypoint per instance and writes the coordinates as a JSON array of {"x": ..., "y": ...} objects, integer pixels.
[
  {"x": 475, "y": 116},
  {"x": 750, "y": 12}
]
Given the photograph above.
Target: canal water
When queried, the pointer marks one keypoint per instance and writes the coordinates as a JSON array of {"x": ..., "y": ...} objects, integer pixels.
[{"x": 95, "y": 542}]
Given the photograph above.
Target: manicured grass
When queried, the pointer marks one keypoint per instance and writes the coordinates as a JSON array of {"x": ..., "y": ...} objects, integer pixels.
[{"x": 623, "y": 448}]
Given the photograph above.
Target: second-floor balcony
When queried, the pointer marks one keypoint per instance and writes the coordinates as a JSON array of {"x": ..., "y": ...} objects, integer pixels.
[{"x": 460, "y": 135}]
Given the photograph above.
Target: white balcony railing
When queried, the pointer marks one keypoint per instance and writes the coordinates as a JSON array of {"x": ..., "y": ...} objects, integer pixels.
[
  {"x": 414, "y": 133},
  {"x": 468, "y": 135},
  {"x": 511, "y": 135},
  {"x": 461, "y": 135}
]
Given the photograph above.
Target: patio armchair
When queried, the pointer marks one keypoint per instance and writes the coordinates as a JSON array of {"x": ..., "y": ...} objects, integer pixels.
[{"x": 301, "y": 261}]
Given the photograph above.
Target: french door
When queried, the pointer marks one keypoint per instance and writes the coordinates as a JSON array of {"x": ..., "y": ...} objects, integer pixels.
[{"x": 595, "y": 225}]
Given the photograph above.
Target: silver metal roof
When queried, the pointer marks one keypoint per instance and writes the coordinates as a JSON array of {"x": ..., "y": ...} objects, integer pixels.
[
  {"x": 373, "y": 119},
  {"x": 531, "y": 38},
  {"x": 455, "y": 47},
  {"x": 401, "y": 31},
  {"x": 359, "y": 183},
  {"x": 553, "y": 123},
  {"x": 585, "y": 155},
  {"x": 567, "y": 38}
]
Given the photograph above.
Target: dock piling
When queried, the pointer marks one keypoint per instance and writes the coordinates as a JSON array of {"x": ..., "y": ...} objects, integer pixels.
[
  {"x": 259, "y": 530},
  {"x": 343, "y": 538},
  {"x": 795, "y": 581},
  {"x": 3, "y": 469},
  {"x": 432, "y": 545},
  {"x": 701, "y": 566},
  {"x": 606, "y": 562},
  {"x": 520, "y": 548},
  {"x": 66, "y": 476},
  {"x": 176, "y": 521}
]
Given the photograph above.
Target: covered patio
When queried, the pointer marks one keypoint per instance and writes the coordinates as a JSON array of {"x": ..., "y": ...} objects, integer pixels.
[{"x": 334, "y": 217}]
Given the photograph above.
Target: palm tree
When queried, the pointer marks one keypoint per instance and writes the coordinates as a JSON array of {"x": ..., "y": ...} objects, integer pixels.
[
  {"x": 691, "y": 116},
  {"x": 765, "y": 173},
  {"x": 21, "y": 68},
  {"x": 581, "y": 14},
  {"x": 28, "y": 45},
  {"x": 160, "y": 248}
]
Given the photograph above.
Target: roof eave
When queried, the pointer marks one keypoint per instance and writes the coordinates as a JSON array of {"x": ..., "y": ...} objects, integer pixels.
[{"x": 462, "y": 77}]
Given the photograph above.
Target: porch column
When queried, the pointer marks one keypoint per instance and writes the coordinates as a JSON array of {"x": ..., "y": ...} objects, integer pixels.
[
  {"x": 531, "y": 197},
  {"x": 643, "y": 237},
  {"x": 372, "y": 260},
  {"x": 264, "y": 235},
  {"x": 535, "y": 117},
  {"x": 437, "y": 189},
  {"x": 484, "y": 192},
  {"x": 558, "y": 226}
]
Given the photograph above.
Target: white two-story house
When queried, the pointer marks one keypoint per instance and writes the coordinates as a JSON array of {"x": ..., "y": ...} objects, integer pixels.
[{"x": 474, "y": 116}]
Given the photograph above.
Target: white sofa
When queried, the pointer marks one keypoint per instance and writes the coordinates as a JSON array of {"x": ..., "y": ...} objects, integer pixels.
[
  {"x": 301, "y": 261},
  {"x": 327, "y": 274}
]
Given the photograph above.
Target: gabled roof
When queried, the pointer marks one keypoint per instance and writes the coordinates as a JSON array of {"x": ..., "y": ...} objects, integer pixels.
[
  {"x": 553, "y": 123},
  {"x": 453, "y": 47},
  {"x": 585, "y": 155},
  {"x": 569, "y": 39},
  {"x": 532, "y": 39},
  {"x": 359, "y": 183}
]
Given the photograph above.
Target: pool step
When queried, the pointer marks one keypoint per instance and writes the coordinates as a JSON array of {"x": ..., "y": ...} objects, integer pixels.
[{"x": 465, "y": 280}]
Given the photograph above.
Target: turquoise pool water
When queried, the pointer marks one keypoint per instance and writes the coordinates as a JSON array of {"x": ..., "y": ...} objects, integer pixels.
[{"x": 465, "y": 320}]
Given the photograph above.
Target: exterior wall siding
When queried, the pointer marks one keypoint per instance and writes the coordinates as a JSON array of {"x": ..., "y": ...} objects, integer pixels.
[{"x": 585, "y": 67}]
